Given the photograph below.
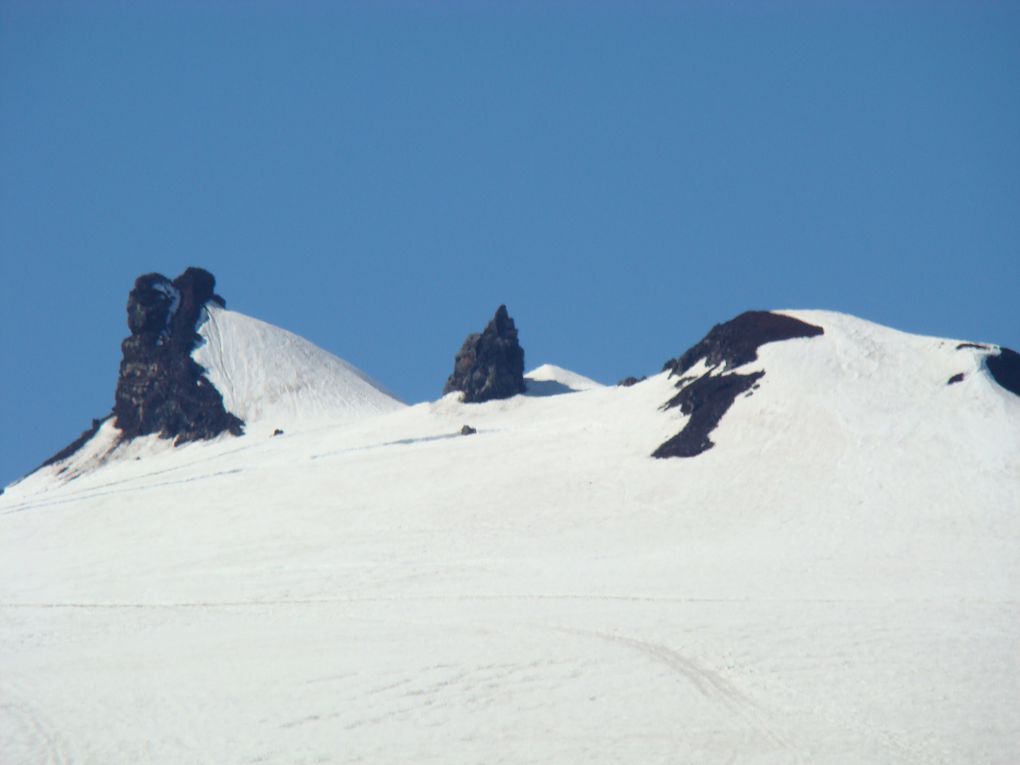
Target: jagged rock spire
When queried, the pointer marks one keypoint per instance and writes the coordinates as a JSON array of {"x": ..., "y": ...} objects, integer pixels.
[
  {"x": 161, "y": 389},
  {"x": 489, "y": 365}
]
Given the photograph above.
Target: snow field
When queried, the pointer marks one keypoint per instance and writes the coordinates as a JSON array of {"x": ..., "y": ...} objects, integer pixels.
[{"x": 834, "y": 582}]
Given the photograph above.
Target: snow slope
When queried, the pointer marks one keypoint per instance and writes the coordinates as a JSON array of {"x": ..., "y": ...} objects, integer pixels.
[
  {"x": 833, "y": 582},
  {"x": 550, "y": 380},
  {"x": 270, "y": 376}
]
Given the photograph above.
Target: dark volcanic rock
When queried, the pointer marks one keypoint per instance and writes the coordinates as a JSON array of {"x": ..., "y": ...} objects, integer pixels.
[
  {"x": 489, "y": 365},
  {"x": 627, "y": 382},
  {"x": 707, "y": 398},
  {"x": 706, "y": 401},
  {"x": 160, "y": 388},
  {"x": 1005, "y": 369},
  {"x": 736, "y": 342},
  {"x": 957, "y": 378},
  {"x": 467, "y": 430}
]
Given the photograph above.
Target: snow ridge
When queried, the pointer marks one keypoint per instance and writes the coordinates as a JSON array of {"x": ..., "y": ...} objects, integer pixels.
[{"x": 270, "y": 376}]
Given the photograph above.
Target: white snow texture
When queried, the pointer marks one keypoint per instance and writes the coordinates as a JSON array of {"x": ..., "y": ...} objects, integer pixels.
[
  {"x": 268, "y": 375},
  {"x": 834, "y": 582}
]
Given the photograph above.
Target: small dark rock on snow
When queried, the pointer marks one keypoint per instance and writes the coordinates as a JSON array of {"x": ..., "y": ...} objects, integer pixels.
[
  {"x": 626, "y": 382},
  {"x": 467, "y": 430}
]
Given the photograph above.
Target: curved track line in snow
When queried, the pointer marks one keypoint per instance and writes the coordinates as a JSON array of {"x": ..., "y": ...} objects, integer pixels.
[
  {"x": 30, "y": 726},
  {"x": 91, "y": 494},
  {"x": 398, "y": 442},
  {"x": 706, "y": 681},
  {"x": 140, "y": 482},
  {"x": 124, "y": 484}
]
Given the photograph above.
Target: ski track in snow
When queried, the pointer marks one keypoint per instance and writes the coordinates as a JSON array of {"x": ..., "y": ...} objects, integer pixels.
[
  {"x": 141, "y": 487},
  {"x": 143, "y": 481},
  {"x": 25, "y": 729},
  {"x": 399, "y": 442},
  {"x": 709, "y": 684}
]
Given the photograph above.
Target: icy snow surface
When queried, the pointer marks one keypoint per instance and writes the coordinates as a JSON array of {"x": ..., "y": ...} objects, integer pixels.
[
  {"x": 550, "y": 380},
  {"x": 273, "y": 377},
  {"x": 834, "y": 582}
]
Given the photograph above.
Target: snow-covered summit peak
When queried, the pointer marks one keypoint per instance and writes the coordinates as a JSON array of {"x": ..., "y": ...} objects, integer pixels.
[
  {"x": 862, "y": 344},
  {"x": 549, "y": 379},
  {"x": 840, "y": 368},
  {"x": 270, "y": 376},
  {"x": 193, "y": 371}
]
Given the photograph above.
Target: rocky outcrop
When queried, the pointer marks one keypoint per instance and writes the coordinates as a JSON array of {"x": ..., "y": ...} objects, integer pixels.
[
  {"x": 706, "y": 398},
  {"x": 628, "y": 382},
  {"x": 736, "y": 342},
  {"x": 1004, "y": 366},
  {"x": 160, "y": 388},
  {"x": 489, "y": 365},
  {"x": 1005, "y": 369}
]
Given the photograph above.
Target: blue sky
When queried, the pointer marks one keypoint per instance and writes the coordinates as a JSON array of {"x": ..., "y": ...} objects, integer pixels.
[{"x": 379, "y": 177}]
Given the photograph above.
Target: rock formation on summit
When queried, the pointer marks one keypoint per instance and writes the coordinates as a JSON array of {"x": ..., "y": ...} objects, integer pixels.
[
  {"x": 628, "y": 382},
  {"x": 736, "y": 342},
  {"x": 161, "y": 389},
  {"x": 489, "y": 365},
  {"x": 705, "y": 399}
]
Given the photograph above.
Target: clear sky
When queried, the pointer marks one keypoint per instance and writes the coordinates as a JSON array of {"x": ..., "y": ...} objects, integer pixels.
[{"x": 379, "y": 177}]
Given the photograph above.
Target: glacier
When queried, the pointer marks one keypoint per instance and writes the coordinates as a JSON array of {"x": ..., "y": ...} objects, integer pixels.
[{"x": 834, "y": 582}]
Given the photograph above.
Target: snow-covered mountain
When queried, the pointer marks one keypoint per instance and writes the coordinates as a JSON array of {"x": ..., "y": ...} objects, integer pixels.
[
  {"x": 268, "y": 376},
  {"x": 831, "y": 578}
]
